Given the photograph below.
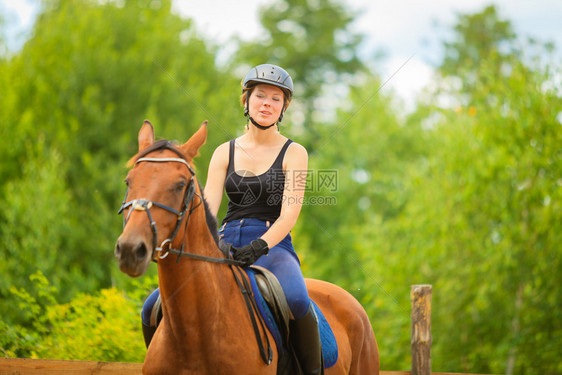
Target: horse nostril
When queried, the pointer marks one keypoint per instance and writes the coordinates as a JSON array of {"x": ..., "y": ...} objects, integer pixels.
[
  {"x": 117, "y": 250},
  {"x": 141, "y": 251}
]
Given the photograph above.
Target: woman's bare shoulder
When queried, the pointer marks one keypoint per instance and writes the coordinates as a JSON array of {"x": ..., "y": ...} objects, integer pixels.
[
  {"x": 296, "y": 157},
  {"x": 221, "y": 153},
  {"x": 222, "y": 149},
  {"x": 297, "y": 150}
]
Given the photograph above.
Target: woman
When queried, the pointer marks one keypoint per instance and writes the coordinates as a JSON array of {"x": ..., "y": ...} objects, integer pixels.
[{"x": 264, "y": 173}]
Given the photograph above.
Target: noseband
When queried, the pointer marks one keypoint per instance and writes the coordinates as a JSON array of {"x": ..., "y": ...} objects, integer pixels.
[{"x": 146, "y": 205}]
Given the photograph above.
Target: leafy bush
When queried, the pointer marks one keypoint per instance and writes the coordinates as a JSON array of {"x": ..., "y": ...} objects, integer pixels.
[{"x": 101, "y": 327}]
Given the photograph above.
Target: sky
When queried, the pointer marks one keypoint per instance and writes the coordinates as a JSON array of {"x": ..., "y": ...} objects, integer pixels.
[{"x": 409, "y": 32}]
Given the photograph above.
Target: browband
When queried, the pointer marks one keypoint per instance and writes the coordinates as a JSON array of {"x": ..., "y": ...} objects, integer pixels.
[{"x": 163, "y": 159}]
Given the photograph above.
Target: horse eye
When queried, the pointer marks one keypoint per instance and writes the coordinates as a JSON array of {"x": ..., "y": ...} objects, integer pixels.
[
  {"x": 126, "y": 182},
  {"x": 180, "y": 185}
]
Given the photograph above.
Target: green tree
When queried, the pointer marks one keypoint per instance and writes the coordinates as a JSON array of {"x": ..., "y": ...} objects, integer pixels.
[
  {"x": 30, "y": 240},
  {"x": 369, "y": 148},
  {"x": 478, "y": 38},
  {"x": 482, "y": 216},
  {"x": 75, "y": 97},
  {"x": 3, "y": 45},
  {"x": 314, "y": 42}
]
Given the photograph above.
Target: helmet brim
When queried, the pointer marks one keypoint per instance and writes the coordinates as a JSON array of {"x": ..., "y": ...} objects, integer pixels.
[{"x": 257, "y": 81}]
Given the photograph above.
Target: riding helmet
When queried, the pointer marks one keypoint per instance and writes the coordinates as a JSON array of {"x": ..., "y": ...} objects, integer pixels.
[{"x": 271, "y": 75}]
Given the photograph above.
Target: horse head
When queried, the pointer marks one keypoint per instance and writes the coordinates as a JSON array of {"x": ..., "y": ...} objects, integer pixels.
[{"x": 161, "y": 189}]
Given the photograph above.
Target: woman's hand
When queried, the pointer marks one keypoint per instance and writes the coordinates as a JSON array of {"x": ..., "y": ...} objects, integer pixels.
[{"x": 249, "y": 254}]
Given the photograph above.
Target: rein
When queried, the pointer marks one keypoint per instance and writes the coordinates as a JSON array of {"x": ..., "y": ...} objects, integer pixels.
[{"x": 166, "y": 245}]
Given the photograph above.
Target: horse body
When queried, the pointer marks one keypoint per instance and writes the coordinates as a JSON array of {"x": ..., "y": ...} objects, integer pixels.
[
  {"x": 358, "y": 351},
  {"x": 206, "y": 328}
]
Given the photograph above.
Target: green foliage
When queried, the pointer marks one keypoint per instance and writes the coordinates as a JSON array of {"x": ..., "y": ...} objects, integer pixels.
[
  {"x": 78, "y": 93},
  {"x": 20, "y": 341},
  {"x": 371, "y": 150},
  {"x": 478, "y": 37},
  {"x": 28, "y": 237},
  {"x": 481, "y": 217},
  {"x": 463, "y": 197},
  {"x": 103, "y": 326}
]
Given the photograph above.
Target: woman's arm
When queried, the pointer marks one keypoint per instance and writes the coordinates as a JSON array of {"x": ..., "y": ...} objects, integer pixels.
[
  {"x": 296, "y": 165},
  {"x": 216, "y": 177}
]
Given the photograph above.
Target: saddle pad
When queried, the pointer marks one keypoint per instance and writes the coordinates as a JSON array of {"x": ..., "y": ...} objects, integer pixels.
[{"x": 329, "y": 344}]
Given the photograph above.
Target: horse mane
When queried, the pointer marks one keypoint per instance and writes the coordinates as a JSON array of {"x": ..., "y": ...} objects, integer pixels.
[
  {"x": 211, "y": 219},
  {"x": 164, "y": 144}
]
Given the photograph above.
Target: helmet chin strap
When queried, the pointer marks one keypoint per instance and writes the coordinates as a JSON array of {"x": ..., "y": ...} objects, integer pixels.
[{"x": 260, "y": 126}]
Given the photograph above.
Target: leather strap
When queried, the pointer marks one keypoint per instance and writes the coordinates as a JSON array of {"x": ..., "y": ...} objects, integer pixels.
[
  {"x": 154, "y": 313},
  {"x": 253, "y": 311}
]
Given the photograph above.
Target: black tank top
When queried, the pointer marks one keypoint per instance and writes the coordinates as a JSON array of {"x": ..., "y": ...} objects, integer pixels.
[{"x": 257, "y": 197}]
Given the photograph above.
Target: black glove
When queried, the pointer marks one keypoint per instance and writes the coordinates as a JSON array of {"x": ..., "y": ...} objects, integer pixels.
[{"x": 250, "y": 253}]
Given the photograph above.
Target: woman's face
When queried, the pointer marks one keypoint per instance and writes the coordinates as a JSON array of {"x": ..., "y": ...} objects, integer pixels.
[{"x": 266, "y": 104}]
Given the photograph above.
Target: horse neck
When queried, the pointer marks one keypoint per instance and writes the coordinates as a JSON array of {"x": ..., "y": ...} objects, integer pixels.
[{"x": 195, "y": 291}]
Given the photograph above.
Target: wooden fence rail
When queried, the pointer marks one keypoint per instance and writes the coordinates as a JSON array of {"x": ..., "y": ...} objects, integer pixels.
[
  {"x": 420, "y": 341},
  {"x": 23, "y": 366}
]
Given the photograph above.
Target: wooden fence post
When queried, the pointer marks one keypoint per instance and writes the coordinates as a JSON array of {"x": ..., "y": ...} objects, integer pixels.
[{"x": 421, "y": 329}]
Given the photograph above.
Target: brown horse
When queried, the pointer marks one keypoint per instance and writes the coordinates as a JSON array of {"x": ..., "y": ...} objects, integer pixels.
[{"x": 206, "y": 328}]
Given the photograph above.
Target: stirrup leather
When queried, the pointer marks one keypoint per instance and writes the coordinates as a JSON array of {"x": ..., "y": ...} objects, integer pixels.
[{"x": 156, "y": 313}]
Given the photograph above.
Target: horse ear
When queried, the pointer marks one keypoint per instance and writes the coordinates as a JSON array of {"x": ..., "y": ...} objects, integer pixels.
[
  {"x": 191, "y": 147},
  {"x": 146, "y": 135}
]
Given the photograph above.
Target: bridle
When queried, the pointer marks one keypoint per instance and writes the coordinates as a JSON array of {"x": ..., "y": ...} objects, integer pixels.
[
  {"x": 165, "y": 247},
  {"x": 145, "y": 205}
]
